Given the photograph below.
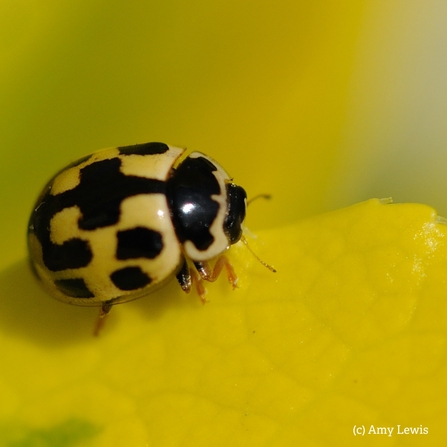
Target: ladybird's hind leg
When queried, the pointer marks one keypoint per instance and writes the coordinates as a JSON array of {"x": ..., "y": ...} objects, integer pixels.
[
  {"x": 103, "y": 312},
  {"x": 208, "y": 274}
]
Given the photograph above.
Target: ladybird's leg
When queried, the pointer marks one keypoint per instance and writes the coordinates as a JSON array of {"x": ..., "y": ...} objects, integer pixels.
[
  {"x": 103, "y": 312},
  {"x": 211, "y": 275},
  {"x": 198, "y": 282},
  {"x": 187, "y": 277},
  {"x": 184, "y": 277}
]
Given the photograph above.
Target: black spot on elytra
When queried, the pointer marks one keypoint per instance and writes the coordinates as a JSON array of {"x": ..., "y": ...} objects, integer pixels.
[
  {"x": 102, "y": 189},
  {"x": 130, "y": 278},
  {"x": 72, "y": 165},
  {"x": 72, "y": 254},
  {"x": 99, "y": 194},
  {"x": 75, "y": 288},
  {"x": 193, "y": 210},
  {"x": 139, "y": 242},
  {"x": 144, "y": 149}
]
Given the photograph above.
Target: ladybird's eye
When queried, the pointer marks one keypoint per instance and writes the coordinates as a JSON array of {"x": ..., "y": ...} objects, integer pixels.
[{"x": 237, "y": 199}]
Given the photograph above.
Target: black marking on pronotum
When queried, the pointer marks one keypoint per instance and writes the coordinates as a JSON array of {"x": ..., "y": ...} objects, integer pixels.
[
  {"x": 75, "y": 288},
  {"x": 189, "y": 192},
  {"x": 99, "y": 194},
  {"x": 144, "y": 149},
  {"x": 139, "y": 242},
  {"x": 130, "y": 278}
]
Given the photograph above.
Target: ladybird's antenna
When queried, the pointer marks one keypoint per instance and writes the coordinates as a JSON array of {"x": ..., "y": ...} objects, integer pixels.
[
  {"x": 259, "y": 196},
  {"x": 256, "y": 256}
]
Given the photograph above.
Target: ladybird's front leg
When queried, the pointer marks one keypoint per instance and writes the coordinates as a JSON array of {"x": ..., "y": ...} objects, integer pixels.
[{"x": 211, "y": 275}]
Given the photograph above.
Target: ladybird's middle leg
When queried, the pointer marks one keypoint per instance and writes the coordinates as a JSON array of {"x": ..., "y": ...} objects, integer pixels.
[
  {"x": 187, "y": 277},
  {"x": 184, "y": 277}
]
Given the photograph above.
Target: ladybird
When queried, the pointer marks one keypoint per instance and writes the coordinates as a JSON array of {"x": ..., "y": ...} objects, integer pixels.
[{"x": 119, "y": 223}]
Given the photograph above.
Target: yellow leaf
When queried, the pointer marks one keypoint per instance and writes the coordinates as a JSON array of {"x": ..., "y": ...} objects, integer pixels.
[{"x": 348, "y": 335}]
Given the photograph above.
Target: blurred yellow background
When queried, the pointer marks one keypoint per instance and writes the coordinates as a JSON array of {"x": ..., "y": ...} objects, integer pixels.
[
  {"x": 261, "y": 87},
  {"x": 321, "y": 104}
]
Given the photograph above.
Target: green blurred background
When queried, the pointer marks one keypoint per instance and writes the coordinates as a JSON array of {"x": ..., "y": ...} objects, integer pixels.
[{"x": 321, "y": 104}]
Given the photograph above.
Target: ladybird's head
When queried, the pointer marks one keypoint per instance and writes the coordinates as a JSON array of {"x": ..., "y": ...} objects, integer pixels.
[{"x": 237, "y": 204}]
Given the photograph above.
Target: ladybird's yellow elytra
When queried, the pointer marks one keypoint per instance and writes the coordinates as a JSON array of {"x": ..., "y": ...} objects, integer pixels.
[{"x": 116, "y": 224}]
